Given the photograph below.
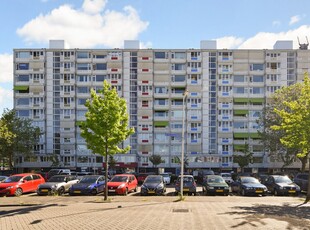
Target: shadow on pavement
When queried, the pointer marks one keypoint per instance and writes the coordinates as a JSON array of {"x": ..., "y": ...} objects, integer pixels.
[
  {"x": 295, "y": 216},
  {"x": 24, "y": 209}
]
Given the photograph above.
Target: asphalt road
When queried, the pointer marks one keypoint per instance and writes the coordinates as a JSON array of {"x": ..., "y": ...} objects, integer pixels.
[{"x": 153, "y": 212}]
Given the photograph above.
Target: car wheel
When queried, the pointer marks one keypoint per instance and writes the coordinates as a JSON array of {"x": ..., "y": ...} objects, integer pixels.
[
  {"x": 195, "y": 193},
  {"x": 61, "y": 191},
  {"x": 243, "y": 193},
  {"x": 18, "y": 192},
  {"x": 136, "y": 189},
  {"x": 276, "y": 193},
  {"x": 126, "y": 192},
  {"x": 94, "y": 191}
]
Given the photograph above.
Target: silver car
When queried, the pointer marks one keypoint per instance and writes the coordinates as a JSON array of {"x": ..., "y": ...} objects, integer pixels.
[{"x": 58, "y": 184}]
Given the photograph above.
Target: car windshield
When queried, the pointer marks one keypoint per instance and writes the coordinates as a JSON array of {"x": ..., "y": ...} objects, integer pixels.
[
  {"x": 2, "y": 178},
  {"x": 119, "y": 179},
  {"x": 186, "y": 179},
  {"x": 165, "y": 175},
  {"x": 153, "y": 180},
  {"x": 89, "y": 180},
  {"x": 216, "y": 180},
  {"x": 246, "y": 180},
  {"x": 13, "y": 179},
  {"x": 282, "y": 179},
  {"x": 226, "y": 175},
  {"x": 56, "y": 179}
]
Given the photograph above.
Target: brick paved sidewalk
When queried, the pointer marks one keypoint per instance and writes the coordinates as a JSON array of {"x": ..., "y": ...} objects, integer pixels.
[{"x": 135, "y": 212}]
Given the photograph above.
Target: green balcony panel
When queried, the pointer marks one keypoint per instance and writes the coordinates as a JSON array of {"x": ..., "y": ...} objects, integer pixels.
[
  {"x": 241, "y": 112},
  {"x": 161, "y": 123},
  {"x": 239, "y": 147},
  {"x": 241, "y": 135},
  {"x": 257, "y": 100},
  {"x": 254, "y": 135},
  {"x": 240, "y": 100},
  {"x": 21, "y": 87}
]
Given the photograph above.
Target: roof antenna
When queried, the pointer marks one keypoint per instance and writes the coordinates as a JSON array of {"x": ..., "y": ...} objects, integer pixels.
[{"x": 303, "y": 46}]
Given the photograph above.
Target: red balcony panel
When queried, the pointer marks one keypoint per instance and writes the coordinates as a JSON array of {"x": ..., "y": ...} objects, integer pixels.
[
  {"x": 145, "y": 117},
  {"x": 145, "y": 70},
  {"x": 145, "y": 82},
  {"x": 145, "y": 141},
  {"x": 145, "y": 93},
  {"x": 145, "y": 164},
  {"x": 145, "y": 152},
  {"x": 114, "y": 70},
  {"x": 114, "y": 81},
  {"x": 114, "y": 58},
  {"x": 145, "y": 58},
  {"x": 145, "y": 129}
]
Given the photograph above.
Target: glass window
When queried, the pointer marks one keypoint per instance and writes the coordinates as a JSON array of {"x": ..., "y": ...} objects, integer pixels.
[
  {"x": 83, "y": 66},
  {"x": 179, "y": 78},
  {"x": 82, "y": 89},
  {"x": 239, "y": 90},
  {"x": 81, "y": 101},
  {"x": 22, "y": 54},
  {"x": 101, "y": 66},
  {"x": 239, "y": 78},
  {"x": 179, "y": 55},
  {"x": 259, "y": 78},
  {"x": 160, "y": 55},
  {"x": 82, "y": 55},
  {"x": 257, "y": 67},
  {"x": 100, "y": 77},
  {"x": 23, "y": 101},
  {"x": 23, "y": 66},
  {"x": 23, "y": 113},
  {"x": 23, "y": 78}
]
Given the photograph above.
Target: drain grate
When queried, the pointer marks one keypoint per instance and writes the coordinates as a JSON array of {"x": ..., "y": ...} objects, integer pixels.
[{"x": 180, "y": 210}]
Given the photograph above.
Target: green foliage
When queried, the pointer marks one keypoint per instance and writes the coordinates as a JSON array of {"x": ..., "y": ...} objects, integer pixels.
[
  {"x": 19, "y": 138},
  {"x": 244, "y": 158},
  {"x": 106, "y": 124},
  {"x": 295, "y": 120},
  {"x": 156, "y": 160}
]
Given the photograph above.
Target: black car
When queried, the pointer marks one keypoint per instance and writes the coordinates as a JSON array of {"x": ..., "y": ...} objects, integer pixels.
[
  {"x": 281, "y": 185},
  {"x": 153, "y": 185},
  {"x": 189, "y": 185},
  {"x": 248, "y": 186},
  {"x": 214, "y": 184},
  {"x": 302, "y": 180},
  {"x": 202, "y": 173}
]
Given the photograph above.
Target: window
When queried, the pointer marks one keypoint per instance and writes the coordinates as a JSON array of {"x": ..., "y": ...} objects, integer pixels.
[
  {"x": 82, "y": 55},
  {"x": 240, "y": 90},
  {"x": 83, "y": 90},
  {"x": 81, "y": 101},
  {"x": 224, "y": 147},
  {"x": 22, "y": 78},
  {"x": 22, "y": 66},
  {"x": 258, "y": 90},
  {"x": 176, "y": 125},
  {"x": 239, "y": 78},
  {"x": 145, "y": 103},
  {"x": 161, "y": 90},
  {"x": 23, "y": 101},
  {"x": 101, "y": 66},
  {"x": 195, "y": 55},
  {"x": 83, "y": 78},
  {"x": 23, "y": 113},
  {"x": 257, "y": 67},
  {"x": 160, "y": 55},
  {"x": 100, "y": 78},
  {"x": 178, "y": 55},
  {"x": 161, "y": 113},
  {"x": 178, "y": 66},
  {"x": 22, "y": 54},
  {"x": 161, "y": 102},
  {"x": 83, "y": 66},
  {"x": 177, "y": 114},
  {"x": 258, "y": 78},
  {"x": 178, "y": 78},
  {"x": 240, "y": 125}
]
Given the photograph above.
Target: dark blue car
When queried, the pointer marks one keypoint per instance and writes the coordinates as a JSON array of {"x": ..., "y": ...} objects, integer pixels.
[
  {"x": 248, "y": 186},
  {"x": 88, "y": 185}
]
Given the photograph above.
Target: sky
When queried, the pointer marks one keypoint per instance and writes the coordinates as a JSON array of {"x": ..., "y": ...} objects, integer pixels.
[{"x": 158, "y": 24}]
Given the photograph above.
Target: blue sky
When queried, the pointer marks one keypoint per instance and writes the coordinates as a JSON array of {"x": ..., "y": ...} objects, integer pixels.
[{"x": 156, "y": 23}]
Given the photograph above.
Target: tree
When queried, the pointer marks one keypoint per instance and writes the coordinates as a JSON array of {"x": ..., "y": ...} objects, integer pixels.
[
  {"x": 295, "y": 122},
  {"x": 106, "y": 125},
  {"x": 244, "y": 158},
  {"x": 156, "y": 160},
  {"x": 272, "y": 138},
  {"x": 23, "y": 136}
]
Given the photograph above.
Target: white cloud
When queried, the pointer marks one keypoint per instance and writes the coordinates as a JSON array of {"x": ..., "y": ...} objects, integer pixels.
[
  {"x": 6, "y": 99},
  {"x": 229, "y": 42},
  {"x": 84, "y": 29},
  {"x": 294, "y": 19},
  {"x": 6, "y": 67},
  {"x": 265, "y": 40},
  {"x": 93, "y": 6}
]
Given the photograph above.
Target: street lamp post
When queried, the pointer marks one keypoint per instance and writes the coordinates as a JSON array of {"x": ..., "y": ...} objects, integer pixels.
[{"x": 182, "y": 147}]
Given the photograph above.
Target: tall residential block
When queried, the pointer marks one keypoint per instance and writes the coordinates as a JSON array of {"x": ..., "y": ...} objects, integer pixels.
[{"x": 227, "y": 91}]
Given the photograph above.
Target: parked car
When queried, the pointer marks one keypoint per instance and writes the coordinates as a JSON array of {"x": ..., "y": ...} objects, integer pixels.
[
  {"x": 141, "y": 177},
  {"x": 202, "y": 173},
  {"x": 227, "y": 177},
  {"x": 58, "y": 184},
  {"x": 153, "y": 185},
  {"x": 214, "y": 184},
  {"x": 248, "y": 186},
  {"x": 281, "y": 185},
  {"x": 2, "y": 178},
  {"x": 189, "y": 185},
  {"x": 54, "y": 172},
  {"x": 301, "y": 179},
  {"x": 21, "y": 183},
  {"x": 88, "y": 185},
  {"x": 167, "y": 177},
  {"x": 122, "y": 184}
]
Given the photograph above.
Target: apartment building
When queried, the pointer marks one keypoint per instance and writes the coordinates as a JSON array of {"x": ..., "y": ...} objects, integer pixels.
[{"x": 226, "y": 91}]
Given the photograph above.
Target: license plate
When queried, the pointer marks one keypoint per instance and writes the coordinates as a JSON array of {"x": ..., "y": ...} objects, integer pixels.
[
  {"x": 259, "y": 191},
  {"x": 44, "y": 190},
  {"x": 186, "y": 189},
  {"x": 77, "y": 192},
  {"x": 151, "y": 192},
  {"x": 220, "y": 190},
  {"x": 111, "y": 190},
  {"x": 291, "y": 191}
]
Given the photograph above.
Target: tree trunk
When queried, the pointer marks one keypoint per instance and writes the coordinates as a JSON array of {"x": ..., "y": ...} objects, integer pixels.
[
  {"x": 106, "y": 189},
  {"x": 303, "y": 164},
  {"x": 308, "y": 191}
]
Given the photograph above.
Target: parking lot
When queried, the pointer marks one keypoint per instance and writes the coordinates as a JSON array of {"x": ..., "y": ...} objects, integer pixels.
[{"x": 30, "y": 211}]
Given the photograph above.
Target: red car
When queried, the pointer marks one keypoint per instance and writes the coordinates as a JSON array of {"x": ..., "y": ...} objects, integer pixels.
[
  {"x": 122, "y": 184},
  {"x": 20, "y": 183}
]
